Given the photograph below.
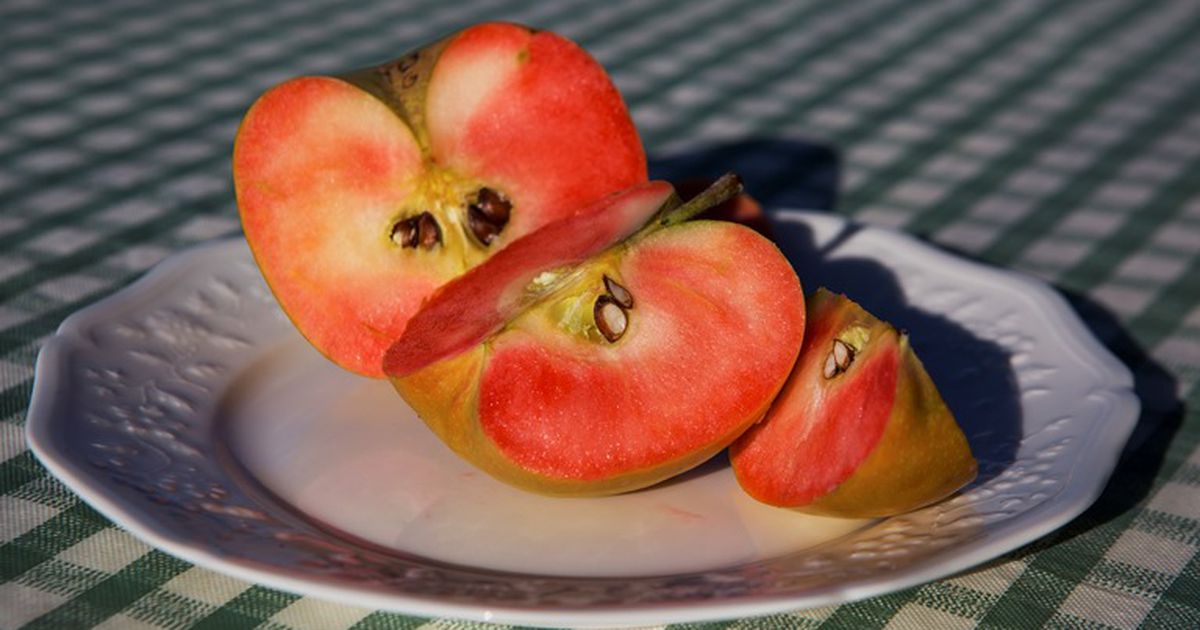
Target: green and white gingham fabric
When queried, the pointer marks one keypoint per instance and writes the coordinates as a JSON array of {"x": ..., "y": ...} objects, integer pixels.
[{"x": 1060, "y": 139}]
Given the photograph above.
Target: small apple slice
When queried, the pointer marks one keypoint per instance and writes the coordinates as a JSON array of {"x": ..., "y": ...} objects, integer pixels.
[
  {"x": 859, "y": 430},
  {"x": 597, "y": 361},
  {"x": 360, "y": 194}
]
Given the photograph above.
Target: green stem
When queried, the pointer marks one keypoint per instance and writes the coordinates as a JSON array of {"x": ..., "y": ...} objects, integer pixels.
[{"x": 725, "y": 188}]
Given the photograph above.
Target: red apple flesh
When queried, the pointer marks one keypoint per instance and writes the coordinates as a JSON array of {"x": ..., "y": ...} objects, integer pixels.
[
  {"x": 859, "y": 430},
  {"x": 361, "y": 194},
  {"x": 575, "y": 364}
]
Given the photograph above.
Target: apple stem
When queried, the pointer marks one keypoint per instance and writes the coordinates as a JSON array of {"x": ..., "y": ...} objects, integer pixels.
[{"x": 726, "y": 187}]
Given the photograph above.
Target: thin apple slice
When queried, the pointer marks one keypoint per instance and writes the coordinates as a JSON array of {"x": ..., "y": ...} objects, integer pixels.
[
  {"x": 361, "y": 194},
  {"x": 859, "y": 430},
  {"x": 597, "y": 370},
  {"x": 465, "y": 312}
]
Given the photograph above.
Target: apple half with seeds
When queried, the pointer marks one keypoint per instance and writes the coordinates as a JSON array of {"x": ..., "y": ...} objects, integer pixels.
[
  {"x": 859, "y": 430},
  {"x": 609, "y": 351},
  {"x": 360, "y": 194}
]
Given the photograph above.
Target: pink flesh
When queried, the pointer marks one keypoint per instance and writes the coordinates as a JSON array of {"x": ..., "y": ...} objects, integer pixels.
[
  {"x": 500, "y": 92},
  {"x": 465, "y": 311},
  {"x": 717, "y": 319},
  {"x": 321, "y": 167},
  {"x": 818, "y": 431}
]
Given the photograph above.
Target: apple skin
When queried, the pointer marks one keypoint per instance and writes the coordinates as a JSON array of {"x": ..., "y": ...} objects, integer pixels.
[
  {"x": 327, "y": 168},
  {"x": 874, "y": 440},
  {"x": 540, "y": 405}
]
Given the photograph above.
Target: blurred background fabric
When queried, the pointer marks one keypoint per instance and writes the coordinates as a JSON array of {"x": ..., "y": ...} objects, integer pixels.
[{"x": 1058, "y": 139}]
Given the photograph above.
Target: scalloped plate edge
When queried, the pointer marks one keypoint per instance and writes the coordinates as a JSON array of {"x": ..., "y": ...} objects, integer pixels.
[{"x": 1104, "y": 450}]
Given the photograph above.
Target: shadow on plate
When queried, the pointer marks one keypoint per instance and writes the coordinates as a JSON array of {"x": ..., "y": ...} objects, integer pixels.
[
  {"x": 1144, "y": 455},
  {"x": 974, "y": 375}
]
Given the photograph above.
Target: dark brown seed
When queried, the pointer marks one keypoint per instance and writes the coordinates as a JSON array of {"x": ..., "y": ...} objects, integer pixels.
[
  {"x": 404, "y": 233},
  {"x": 487, "y": 214},
  {"x": 484, "y": 230},
  {"x": 619, "y": 293},
  {"x": 422, "y": 230},
  {"x": 610, "y": 318},
  {"x": 494, "y": 206},
  {"x": 428, "y": 232}
]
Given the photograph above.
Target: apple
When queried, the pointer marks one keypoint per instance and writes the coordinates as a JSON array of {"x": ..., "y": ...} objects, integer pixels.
[
  {"x": 360, "y": 194},
  {"x": 859, "y": 430},
  {"x": 607, "y": 351}
]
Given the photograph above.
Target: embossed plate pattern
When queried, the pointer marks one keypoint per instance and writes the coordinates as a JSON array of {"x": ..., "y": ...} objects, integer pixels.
[{"x": 128, "y": 396}]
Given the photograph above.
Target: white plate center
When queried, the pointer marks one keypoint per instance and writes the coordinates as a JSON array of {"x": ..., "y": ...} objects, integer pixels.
[{"x": 349, "y": 452}]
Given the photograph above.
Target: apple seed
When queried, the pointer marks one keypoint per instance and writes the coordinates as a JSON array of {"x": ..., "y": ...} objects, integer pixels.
[
  {"x": 619, "y": 293},
  {"x": 839, "y": 359},
  {"x": 488, "y": 214},
  {"x": 830, "y": 369},
  {"x": 421, "y": 230},
  {"x": 843, "y": 353},
  {"x": 610, "y": 318},
  {"x": 404, "y": 233},
  {"x": 428, "y": 232}
]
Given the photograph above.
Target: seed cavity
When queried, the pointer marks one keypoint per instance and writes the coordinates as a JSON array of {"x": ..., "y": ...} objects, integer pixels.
[
  {"x": 610, "y": 318},
  {"x": 839, "y": 359},
  {"x": 421, "y": 231},
  {"x": 487, "y": 214},
  {"x": 619, "y": 293},
  {"x": 611, "y": 310}
]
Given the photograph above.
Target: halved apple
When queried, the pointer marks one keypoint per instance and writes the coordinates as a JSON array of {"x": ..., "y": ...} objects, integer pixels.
[
  {"x": 609, "y": 351},
  {"x": 361, "y": 194},
  {"x": 859, "y": 430}
]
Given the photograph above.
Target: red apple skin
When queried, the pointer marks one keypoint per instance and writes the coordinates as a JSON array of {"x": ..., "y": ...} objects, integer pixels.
[
  {"x": 325, "y": 167},
  {"x": 872, "y": 441},
  {"x": 713, "y": 332}
]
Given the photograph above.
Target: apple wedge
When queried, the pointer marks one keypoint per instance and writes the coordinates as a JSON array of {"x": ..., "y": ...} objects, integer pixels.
[
  {"x": 360, "y": 194},
  {"x": 609, "y": 351},
  {"x": 859, "y": 430}
]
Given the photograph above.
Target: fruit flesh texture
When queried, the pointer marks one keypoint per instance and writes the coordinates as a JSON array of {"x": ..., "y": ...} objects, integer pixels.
[
  {"x": 874, "y": 440},
  {"x": 547, "y": 404},
  {"x": 484, "y": 299},
  {"x": 324, "y": 167}
]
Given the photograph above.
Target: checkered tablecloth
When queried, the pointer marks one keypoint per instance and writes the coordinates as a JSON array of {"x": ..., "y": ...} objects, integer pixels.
[{"x": 1061, "y": 139}]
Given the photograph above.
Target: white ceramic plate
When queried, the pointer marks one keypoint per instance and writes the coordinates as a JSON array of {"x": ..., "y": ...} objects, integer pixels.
[{"x": 187, "y": 410}]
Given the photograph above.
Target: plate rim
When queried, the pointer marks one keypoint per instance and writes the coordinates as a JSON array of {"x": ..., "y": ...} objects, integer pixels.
[{"x": 1104, "y": 447}]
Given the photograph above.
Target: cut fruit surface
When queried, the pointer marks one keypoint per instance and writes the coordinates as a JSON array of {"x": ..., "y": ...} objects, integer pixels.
[
  {"x": 673, "y": 382},
  {"x": 464, "y": 313},
  {"x": 859, "y": 429},
  {"x": 612, "y": 368},
  {"x": 360, "y": 194}
]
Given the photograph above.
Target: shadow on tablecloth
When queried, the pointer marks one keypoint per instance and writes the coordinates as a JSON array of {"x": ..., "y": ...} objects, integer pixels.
[{"x": 778, "y": 173}]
